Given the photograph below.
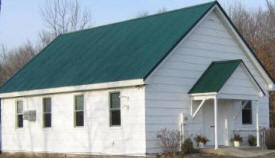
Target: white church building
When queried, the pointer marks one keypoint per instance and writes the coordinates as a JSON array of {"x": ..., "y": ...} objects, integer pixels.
[{"x": 108, "y": 90}]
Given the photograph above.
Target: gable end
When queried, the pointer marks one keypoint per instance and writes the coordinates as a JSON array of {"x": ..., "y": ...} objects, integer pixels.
[{"x": 258, "y": 64}]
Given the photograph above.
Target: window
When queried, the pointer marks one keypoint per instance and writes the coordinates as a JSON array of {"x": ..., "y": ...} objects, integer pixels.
[
  {"x": 79, "y": 111},
  {"x": 47, "y": 112},
  {"x": 19, "y": 114},
  {"x": 115, "y": 117},
  {"x": 247, "y": 112}
]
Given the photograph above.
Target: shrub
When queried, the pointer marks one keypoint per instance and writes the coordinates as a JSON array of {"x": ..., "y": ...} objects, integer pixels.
[
  {"x": 201, "y": 139},
  {"x": 270, "y": 138},
  {"x": 252, "y": 140},
  {"x": 187, "y": 146},
  {"x": 237, "y": 137},
  {"x": 169, "y": 140}
]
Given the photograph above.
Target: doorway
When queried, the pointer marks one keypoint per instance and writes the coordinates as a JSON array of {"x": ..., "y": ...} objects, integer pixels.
[{"x": 224, "y": 122}]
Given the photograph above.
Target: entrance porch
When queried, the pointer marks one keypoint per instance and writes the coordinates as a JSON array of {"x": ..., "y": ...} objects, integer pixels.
[
  {"x": 228, "y": 97},
  {"x": 222, "y": 118}
]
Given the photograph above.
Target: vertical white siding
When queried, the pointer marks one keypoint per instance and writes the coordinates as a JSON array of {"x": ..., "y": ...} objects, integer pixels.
[
  {"x": 96, "y": 137},
  {"x": 166, "y": 93}
]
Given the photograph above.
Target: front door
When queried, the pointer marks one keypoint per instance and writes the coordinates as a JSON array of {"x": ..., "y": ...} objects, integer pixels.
[
  {"x": 208, "y": 122},
  {"x": 224, "y": 122}
]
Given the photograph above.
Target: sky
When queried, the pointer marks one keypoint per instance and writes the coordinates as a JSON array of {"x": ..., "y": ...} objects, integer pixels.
[{"x": 20, "y": 20}]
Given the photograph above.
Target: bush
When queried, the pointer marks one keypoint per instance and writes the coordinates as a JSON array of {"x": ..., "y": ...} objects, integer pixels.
[
  {"x": 187, "y": 146},
  {"x": 169, "y": 140},
  {"x": 252, "y": 140},
  {"x": 270, "y": 138}
]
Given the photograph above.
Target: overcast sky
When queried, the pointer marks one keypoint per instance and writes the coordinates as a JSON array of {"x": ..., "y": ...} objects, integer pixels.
[{"x": 20, "y": 20}]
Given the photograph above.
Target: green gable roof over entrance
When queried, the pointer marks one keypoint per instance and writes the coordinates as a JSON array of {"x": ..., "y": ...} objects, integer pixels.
[
  {"x": 120, "y": 51},
  {"x": 213, "y": 79}
]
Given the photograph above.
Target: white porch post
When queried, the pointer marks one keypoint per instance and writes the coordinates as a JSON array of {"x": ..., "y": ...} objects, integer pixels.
[
  {"x": 216, "y": 121},
  {"x": 257, "y": 123},
  {"x": 191, "y": 107}
]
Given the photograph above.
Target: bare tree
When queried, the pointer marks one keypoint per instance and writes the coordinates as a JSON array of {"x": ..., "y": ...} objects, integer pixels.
[
  {"x": 62, "y": 16},
  {"x": 45, "y": 38},
  {"x": 146, "y": 13},
  {"x": 258, "y": 29},
  {"x": 142, "y": 14},
  {"x": 11, "y": 61},
  {"x": 270, "y": 19},
  {"x": 245, "y": 22},
  {"x": 161, "y": 10}
]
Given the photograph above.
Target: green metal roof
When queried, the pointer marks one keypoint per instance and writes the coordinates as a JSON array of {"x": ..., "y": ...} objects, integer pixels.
[
  {"x": 213, "y": 79},
  {"x": 115, "y": 52}
]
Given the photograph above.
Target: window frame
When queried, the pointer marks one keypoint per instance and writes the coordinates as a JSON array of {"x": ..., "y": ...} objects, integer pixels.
[
  {"x": 75, "y": 111},
  {"x": 43, "y": 112},
  {"x": 17, "y": 114},
  {"x": 251, "y": 112},
  {"x": 112, "y": 109}
]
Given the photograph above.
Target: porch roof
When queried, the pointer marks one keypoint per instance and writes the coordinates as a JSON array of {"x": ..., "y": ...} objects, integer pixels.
[{"x": 216, "y": 75}]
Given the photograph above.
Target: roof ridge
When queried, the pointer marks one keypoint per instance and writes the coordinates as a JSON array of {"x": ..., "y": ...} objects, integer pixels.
[{"x": 139, "y": 18}]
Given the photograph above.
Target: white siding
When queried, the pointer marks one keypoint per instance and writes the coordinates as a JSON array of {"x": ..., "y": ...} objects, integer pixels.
[
  {"x": 166, "y": 93},
  {"x": 240, "y": 84},
  {"x": 96, "y": 137}
]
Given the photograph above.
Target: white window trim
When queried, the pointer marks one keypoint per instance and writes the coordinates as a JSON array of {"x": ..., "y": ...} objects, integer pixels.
[
  {"x": 43, "y": 112},
  {"x": 16, "y": 113},
  {"x": 74, "y": 110},
  {"x": 110, "y": 110},
  {"x": 252, "y": 120}
]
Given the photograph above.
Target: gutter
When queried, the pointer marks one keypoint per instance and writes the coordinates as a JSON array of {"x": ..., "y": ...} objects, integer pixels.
[{"x": 72, "y": 89}]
